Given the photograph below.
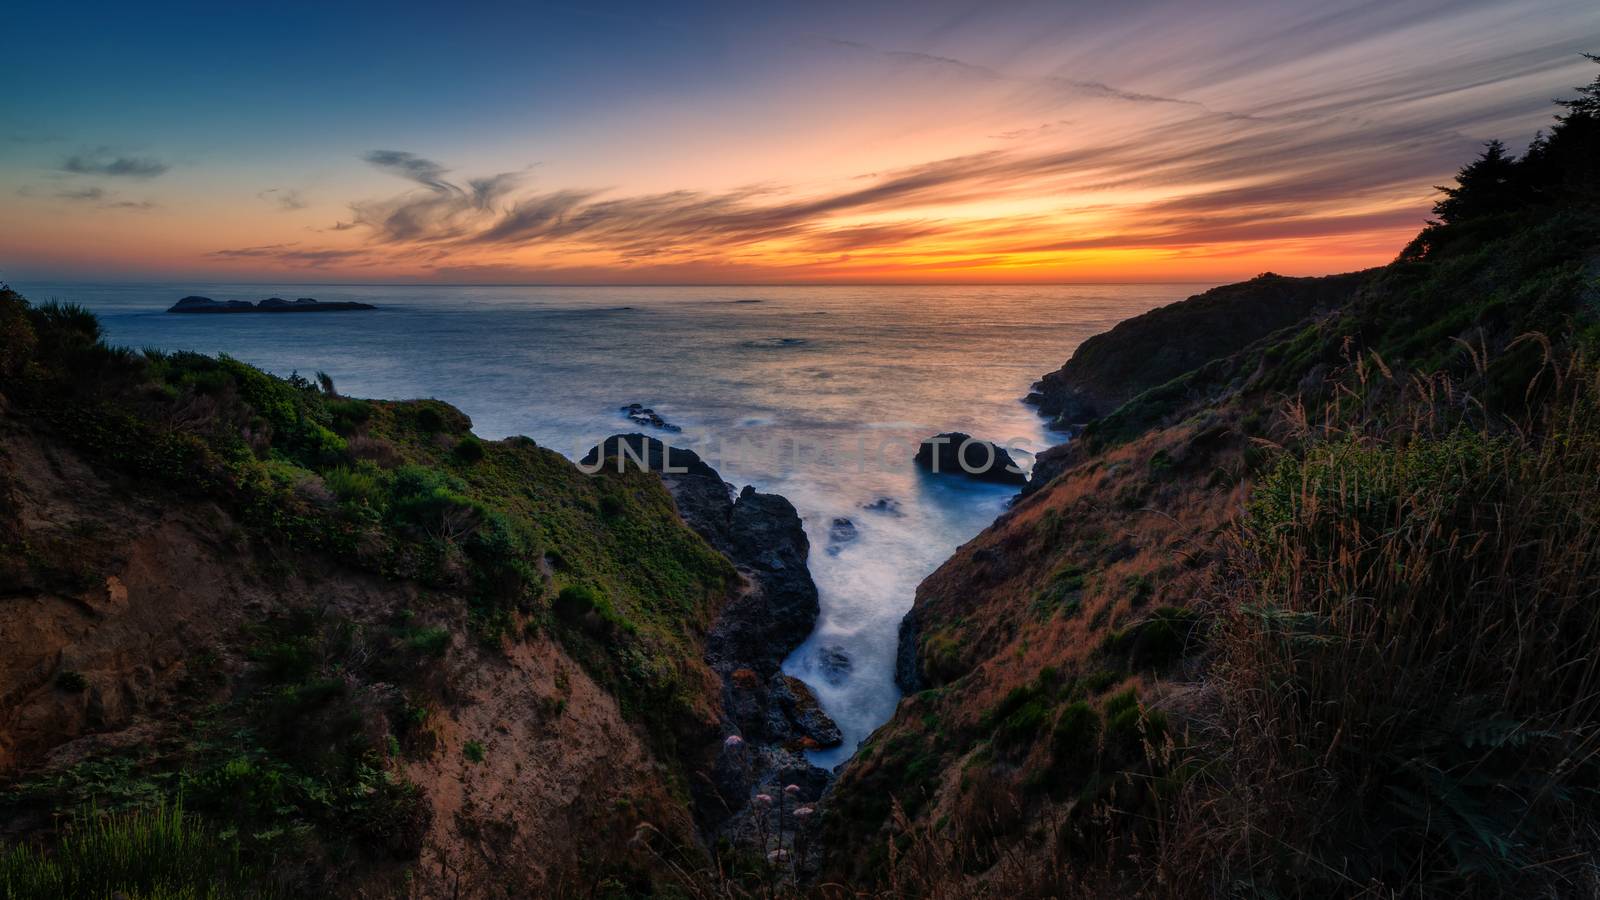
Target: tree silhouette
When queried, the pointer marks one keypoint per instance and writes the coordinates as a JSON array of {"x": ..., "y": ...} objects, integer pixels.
[{"x": 1484, "y": 187}]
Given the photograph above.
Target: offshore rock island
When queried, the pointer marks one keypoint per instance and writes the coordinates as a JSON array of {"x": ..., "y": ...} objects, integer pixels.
[{"x": 206, "y": 305}]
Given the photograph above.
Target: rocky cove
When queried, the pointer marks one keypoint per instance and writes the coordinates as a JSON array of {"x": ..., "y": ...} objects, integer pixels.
[
  {"x": 696, "y": 653},
  {"x": 742, "y": 749},
  {"x": 484, "y": 602}
]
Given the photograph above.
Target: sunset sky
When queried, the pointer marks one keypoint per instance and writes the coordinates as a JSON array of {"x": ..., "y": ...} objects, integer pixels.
[{"x": 754, "y": 142}]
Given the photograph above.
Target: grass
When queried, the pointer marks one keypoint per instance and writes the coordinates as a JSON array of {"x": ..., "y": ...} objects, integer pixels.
[
  {"x": 1411, "y": 649},
  {"x": 154, "y": 853}
]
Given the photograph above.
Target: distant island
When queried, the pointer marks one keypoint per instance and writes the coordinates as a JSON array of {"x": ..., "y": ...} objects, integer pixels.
[{"x": 269, "y": 305}]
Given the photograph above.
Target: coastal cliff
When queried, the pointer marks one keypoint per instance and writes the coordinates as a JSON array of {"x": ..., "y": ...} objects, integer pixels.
[
  {"x": 1146, "y": 351},
  {"x": 389, "y": 655},
  {"x": 1264, "y": 621}
]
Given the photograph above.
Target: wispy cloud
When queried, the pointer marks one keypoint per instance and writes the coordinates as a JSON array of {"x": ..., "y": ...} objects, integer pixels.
[
  {"x": 1080, "y": 161},
  {"x": 101, "y": 198},
  {"x": 293, "y": 254},
  {"x": 286, "y": 199},
  {"x": 103, "y": 161}
]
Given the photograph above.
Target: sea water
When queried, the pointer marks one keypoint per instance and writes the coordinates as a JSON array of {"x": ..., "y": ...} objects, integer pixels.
[{"x": 817, "y": 393}]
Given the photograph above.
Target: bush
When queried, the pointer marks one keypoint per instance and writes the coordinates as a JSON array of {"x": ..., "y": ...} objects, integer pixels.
[
  {"x": 576, "y": 601},
  {"x": 354, "y": 486},
  {"x": 469, "y": 450},
  {"x": 348, "y": 414},
  {"x": 72, "y": 682},
  {"x": 473, "y": 751},
  {"x": 582, "y": 604}
]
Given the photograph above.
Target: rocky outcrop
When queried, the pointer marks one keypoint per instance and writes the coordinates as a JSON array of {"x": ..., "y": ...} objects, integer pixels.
[
  {"x": 1111, "y": 368},
  {"x": 907, "y": 670},
  {"x": 763, "y": 536},
  {"x": 639, "y": 414},
  {"x": 194, "y": 304},
  {"x": 956, "y": 453}
]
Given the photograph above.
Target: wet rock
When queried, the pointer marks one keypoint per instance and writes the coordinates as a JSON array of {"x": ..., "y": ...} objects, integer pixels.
[
  {"x": 886, "y": 505},
  {"x": 1049, "y": 463},
  {"x": 907, "y": 668},
  {"x": 956, "y": 453},
  {"x": 805, "y": 716},
  {"x": 834, "y": 664},
  {"x": 640, "y": 414},
  {"x": 841, "y": 532}
]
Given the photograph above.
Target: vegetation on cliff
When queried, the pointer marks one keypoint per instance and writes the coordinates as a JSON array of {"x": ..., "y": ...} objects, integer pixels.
[
  {"x": 1311, "y": 619},
  {"x": 295, "y": 728}
]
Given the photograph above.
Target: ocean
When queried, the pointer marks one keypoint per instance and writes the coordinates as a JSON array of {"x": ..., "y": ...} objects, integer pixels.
[{"x": 817, "y": 393}]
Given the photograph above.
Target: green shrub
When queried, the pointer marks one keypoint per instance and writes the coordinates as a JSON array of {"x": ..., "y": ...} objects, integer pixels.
[
  {"x": 942, "y": 659},
  {"x": 354, "y": 486},
  {"x": 348, "y": 414},
  {"x": 72, "y": 682},
  {"x": 473, "y": 750},
  {"x": 429, "y": 641},
  {"x": 1017, "y": 730},
  {"x": 576, "y": 601},
  {"x": 469, "y": 450}
]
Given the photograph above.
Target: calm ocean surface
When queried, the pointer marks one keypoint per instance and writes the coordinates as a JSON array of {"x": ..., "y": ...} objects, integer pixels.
[{"x": 817, "y": 393}]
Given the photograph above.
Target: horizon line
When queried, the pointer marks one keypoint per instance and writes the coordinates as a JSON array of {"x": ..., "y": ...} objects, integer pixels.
[{"x": 657, "y": 284}]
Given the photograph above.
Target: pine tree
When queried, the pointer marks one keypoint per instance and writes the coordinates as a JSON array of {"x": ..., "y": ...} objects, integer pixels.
[{"x": 1486, "y": 186}]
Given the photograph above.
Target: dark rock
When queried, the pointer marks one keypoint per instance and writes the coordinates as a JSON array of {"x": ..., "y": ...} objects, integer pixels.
[
  {"x": 777, "y": 716},
  {"x": 955, "y": 453},
  {"x": 886, "y": 505},
  {"x": 640, "y": 414},
  {"x": 841, "y": 532},
  {"x": 907, "y": 669},
  {"x": 835, "y": 665},
  {"x": 804, "y": 715},
  {"x": 768, "y": 544},
  {"x": 765, "y": 828},
  {"x": 196, "y": 304},
  {"x": 1049, "y": 463}
]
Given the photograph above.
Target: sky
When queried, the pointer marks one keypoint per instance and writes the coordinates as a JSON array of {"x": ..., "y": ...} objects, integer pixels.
[{"x": 774, "y": 142}]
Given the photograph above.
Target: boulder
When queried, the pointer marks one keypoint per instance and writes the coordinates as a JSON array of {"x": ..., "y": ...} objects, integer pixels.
[{"x": 956, "y": 453}]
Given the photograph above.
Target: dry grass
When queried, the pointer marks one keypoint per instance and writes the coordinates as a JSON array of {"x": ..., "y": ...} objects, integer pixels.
[{"x": 1407, "y": 653}]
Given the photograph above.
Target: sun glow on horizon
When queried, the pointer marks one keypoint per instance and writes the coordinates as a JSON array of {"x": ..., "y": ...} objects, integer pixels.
[{"x": 1034, "y": 143}]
